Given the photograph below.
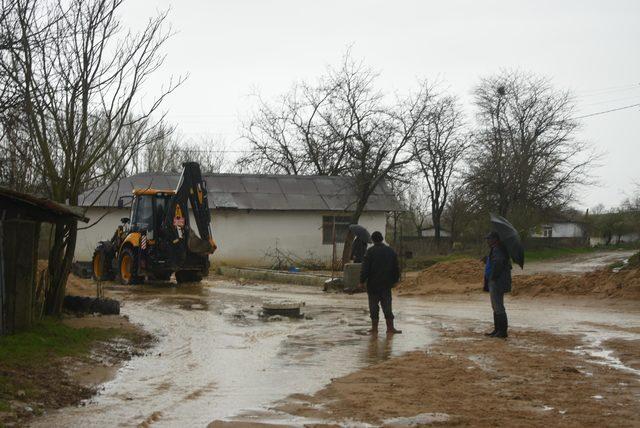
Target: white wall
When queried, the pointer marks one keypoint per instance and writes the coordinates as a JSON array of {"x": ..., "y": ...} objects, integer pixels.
[
  {"x": 567, "y": 230},
  {"x": 103, "y": 231},
  {"x": 561, "y": 230},
  {"x": 430, "y": 233},
  {"x": 243, "y": 237}
]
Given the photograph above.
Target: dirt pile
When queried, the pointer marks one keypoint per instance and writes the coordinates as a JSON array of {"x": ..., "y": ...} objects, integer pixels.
[
  {"x": 601, "y": 283},
  {"x": 457, "y": 276},
  {"x": 465, "y": 276},
  {"x": 532, "y": 379}
]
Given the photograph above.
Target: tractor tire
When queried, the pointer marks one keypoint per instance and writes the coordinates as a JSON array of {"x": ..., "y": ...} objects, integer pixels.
[
  {"x": 183, "y": 276},
  {"x": 101, "y": 264},
  {"x": 127, "y": 268}
]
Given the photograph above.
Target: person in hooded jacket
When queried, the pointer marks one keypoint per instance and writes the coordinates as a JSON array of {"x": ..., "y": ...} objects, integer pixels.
[{"x": 497, "y": 281}]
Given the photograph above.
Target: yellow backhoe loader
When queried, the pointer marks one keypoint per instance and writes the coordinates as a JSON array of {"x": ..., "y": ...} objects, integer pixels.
[{"x": 157, "y": 240}]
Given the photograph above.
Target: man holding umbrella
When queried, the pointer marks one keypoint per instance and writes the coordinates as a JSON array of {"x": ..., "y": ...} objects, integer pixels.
[{"x": 504, "y": 244}]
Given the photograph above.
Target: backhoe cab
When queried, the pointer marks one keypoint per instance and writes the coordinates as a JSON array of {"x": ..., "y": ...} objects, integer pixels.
[{"x": 158, "y": 240}]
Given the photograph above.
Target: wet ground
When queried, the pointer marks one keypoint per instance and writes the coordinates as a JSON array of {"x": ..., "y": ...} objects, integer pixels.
[
  {"x": 576, "y": 264},
  {"x": 217, "y": 359}
]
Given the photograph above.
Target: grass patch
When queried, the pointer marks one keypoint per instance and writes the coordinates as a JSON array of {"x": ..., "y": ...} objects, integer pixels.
[
  {"x": 553, "y": 253},
  {"x": 634, "y": 261},
  {"x": 48, "y": 339},
  {"x": 420, "y": 263}
]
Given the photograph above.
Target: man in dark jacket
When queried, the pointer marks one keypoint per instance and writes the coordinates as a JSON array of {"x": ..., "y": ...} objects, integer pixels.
[
  {"x": 497, "y": 281},
  {"x": 380, "y": 272}
]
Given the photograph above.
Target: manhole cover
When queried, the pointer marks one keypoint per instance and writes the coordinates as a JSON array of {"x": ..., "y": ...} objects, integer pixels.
[{"x": 284, "y": 308}]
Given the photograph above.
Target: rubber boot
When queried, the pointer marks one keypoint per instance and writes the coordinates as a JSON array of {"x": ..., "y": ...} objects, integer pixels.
[
  {"x": 503, "y": 326},
  {"x": 374, "y": 327},
  {"x": 391, "y": 329},
  {"x": 495, "y": 327}
]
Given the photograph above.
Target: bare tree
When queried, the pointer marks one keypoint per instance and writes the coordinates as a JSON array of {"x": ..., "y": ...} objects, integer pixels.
[
  {"x": 168, "y": 154},
  {"x": 465, "y": 220},
  {"x": 79, "y": 76},
  {"x": 525, "y": 156},
  {"x": 297, "y": 135},
  {"x": 417, "y": 205},
  {"x": 341, "y": 126},
  {"x": 439, "y": 147}
]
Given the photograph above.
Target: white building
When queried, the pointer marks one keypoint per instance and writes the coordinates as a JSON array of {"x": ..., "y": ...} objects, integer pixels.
[
  {"x": 430, "y": 232},
  {"x": 561, "y": 229},
  {"x": 253, "y": 216}
]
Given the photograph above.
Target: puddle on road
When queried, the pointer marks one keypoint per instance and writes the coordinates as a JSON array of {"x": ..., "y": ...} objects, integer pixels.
[
  {"x": 217, "y": 358},
  {"x": 575, "y": 265}
]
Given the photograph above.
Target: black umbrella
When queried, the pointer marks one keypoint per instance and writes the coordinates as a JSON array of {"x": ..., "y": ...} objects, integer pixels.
[
  {"x": 360, "y": 232},
  {"x": 509, "y": 238}
]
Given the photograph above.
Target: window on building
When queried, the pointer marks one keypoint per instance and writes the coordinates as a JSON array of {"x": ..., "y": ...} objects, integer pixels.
[
  {"x": 547, "y": 232},
  {"x": 341, "y": 224}
]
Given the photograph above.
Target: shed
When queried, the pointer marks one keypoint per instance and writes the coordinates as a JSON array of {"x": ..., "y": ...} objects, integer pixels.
[
  {"x": 256, "y": 218},
  {"x": 20, "y": 217}
]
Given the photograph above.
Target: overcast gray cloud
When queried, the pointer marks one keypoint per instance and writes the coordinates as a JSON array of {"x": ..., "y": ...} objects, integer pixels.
[{"x": 232, "y": 48}]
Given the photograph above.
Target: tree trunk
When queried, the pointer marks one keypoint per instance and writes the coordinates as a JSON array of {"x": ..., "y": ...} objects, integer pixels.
[
  {"x": 346, "y": 250},
  {"x": 348, "y": 240},
  {"x": 435, "y": 218},
  {"x": 60, "y": 259}
]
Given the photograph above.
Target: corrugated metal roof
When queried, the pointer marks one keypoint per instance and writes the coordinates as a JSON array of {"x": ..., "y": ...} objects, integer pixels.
[
  {"x": 51, "y": 208},
  {"x": 255, "y": 192}
]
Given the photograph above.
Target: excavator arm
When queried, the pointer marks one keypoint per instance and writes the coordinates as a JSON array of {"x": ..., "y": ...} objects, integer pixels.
[{"x": 191, "y": 190}]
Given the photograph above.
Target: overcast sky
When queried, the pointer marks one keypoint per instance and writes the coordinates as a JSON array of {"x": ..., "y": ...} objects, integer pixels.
[{"x": 233, "y": 48}]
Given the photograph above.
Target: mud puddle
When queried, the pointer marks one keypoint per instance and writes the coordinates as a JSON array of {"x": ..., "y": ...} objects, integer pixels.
[
  {"x": 216, "y": 358},
  {"x": 575, "y": 265}
]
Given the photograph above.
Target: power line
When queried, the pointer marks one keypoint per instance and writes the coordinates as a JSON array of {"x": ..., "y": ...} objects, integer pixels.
[
  {"x": 604, "y": 91},
  {"x": 608, "y": 111}
]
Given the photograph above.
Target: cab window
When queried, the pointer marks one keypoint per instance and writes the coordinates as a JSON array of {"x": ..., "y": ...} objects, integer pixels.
[{"x": 144, "y": 212}]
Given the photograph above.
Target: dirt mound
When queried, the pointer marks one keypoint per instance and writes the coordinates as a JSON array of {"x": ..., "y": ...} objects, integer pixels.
[
  {"x": 601, "y": 283},
  {"x": 465, "y": 276},
  {"x": 457, "y": 276}
]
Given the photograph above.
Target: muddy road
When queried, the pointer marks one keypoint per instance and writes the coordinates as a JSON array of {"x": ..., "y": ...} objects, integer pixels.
[
  {"x": 576, "y": 264},
  {"x": 217, "y": 359}
]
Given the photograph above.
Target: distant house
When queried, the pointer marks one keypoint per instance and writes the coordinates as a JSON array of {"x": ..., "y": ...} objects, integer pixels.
[
  {"x": 253, "y": 216},
  {"x": 561, "y": 227},
  {"x": 430, "y": 232}
]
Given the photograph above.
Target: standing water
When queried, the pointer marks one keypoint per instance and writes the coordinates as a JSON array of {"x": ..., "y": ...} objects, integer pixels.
[{"x": 217, "y": 358}]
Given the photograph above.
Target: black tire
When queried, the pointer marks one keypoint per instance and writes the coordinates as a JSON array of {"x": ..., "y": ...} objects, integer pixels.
[
  {"x": 183, "y": 276},
  {"x": 90, "y": 305},
  {"x": 127, "y": 268},
  {"x": 101, "y": 263},
  {"x": 162, "y": 276}
]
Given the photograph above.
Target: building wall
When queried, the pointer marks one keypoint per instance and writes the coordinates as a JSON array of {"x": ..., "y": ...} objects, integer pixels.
[
  {"x": 244, "y": 238},
  {"x": 561, "y": 230},
  {"x": 430, "y": 233},
  {"x": 102, "y": 231},
  {"x": 567, "y": 230}
]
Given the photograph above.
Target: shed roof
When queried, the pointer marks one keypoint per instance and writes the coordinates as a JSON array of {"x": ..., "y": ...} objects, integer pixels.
[
  {"x": 255, "y": 192},
  {"x": 38, "y": 208}
]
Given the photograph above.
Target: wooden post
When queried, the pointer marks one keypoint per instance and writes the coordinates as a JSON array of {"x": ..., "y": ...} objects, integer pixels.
[
  {"x": 333, "y": 256},
  {"x": 2, "y": 278}
]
